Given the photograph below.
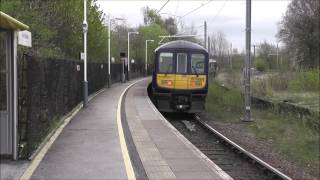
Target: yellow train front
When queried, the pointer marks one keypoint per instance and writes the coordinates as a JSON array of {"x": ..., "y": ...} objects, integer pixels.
[{"x": 180, "y": 77}]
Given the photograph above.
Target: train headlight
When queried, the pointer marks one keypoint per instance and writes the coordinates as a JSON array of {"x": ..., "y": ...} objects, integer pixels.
[
  {"x": 195, "y": 83},
  {"x": 167, "y": 82}
]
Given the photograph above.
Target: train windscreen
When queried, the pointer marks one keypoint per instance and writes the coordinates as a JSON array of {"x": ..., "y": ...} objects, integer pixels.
[
  {"x": 165, "y": 62},
  {"x": 197, "y": 63}
]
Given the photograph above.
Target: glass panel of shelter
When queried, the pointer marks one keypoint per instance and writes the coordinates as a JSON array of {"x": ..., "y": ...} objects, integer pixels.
[{"x": 3, "y": 77}]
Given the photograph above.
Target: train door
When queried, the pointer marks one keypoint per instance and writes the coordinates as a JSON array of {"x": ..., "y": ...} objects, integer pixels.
[{"x": 181, "y": 77}]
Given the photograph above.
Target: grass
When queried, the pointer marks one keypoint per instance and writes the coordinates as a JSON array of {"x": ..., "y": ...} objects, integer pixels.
[
  {"x": 224, "y": 104},
  {"x": 304, "y": 99},
  {"x": 305, "y": 81},
  {"x": 290, "y": 136},
  {"x": 298, "y": 88}
]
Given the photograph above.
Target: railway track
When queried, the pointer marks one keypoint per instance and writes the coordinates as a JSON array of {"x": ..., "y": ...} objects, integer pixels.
[{"x": 230, "y": 157}]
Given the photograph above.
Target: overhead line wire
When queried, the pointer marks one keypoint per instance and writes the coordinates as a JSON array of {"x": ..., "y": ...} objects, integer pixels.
[
  {"x": 196, "y": 9},
  {"x": 163, "y": 6}
]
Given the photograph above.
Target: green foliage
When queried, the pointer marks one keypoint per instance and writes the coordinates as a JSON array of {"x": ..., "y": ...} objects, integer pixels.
[
  {"x": 265, "y": 49},
  {"x": 305, "y": 81},
  {"x": 260, "y": 65},
  {"x": 225, "y": 104},
  {"x": 152, "y": 31},
  {"x": 238, "y": 61},
  {"x": 150, "y": 16},
  {"x": 260, "y": 88},
  {"x": 300, "y": 31},
  {"x": 289, "y": 135},
  {"x": 56, "y": 27}
]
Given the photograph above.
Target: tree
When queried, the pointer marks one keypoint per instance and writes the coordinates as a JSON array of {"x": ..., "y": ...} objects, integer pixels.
[
  {"x": 264, "y": 50},
  {"x": 150, "y": 16},
  {"x": 299, "y": 30},
  {"x": 219, "y": 45},
  {"x": 219, "y": 48},
  {"x": 152, "y": 31},
  {"x": 171, "y": 25},
  {"x": 56, "y": 27}
]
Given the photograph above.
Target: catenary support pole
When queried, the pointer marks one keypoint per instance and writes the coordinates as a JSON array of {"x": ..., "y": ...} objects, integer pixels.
[
  {"x": 205, "y": 34},
  {"x": 209, "y": 46},
  {"x": 247, "y": 111}
]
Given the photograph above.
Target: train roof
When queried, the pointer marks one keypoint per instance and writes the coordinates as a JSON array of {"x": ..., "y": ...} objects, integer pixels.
[{"x": 180, "y": 44}]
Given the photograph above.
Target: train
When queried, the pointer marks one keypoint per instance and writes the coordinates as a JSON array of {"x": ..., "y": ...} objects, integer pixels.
[{"x": 180, "y": 77}]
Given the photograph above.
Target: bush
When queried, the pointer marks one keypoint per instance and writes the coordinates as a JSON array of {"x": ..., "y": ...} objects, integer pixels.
[
  {"x": 260, "y": 88},
  {"x": 305, "y": 81},
  {"x": 220, "y": 100},
  {"x": 279, "y": 81},
  {"x": 260, "y": 65}
]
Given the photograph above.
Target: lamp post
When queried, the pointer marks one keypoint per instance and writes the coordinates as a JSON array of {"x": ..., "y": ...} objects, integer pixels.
[
  {"x": 149, "y": 40},
  {"x": 129, "y": 51},
  {"x": 109, "y": 47},
  {"x": 85, "y": 30}
]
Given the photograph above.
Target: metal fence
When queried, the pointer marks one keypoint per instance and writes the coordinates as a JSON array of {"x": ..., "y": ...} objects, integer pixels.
[{"x": 49, "y": 89}]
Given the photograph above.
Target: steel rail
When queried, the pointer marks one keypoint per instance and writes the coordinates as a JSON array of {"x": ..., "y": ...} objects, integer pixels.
[{"x": 243, "y": 151}]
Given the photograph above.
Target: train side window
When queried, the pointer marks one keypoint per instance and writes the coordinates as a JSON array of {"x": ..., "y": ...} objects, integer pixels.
[
  {"x": 165, "y": 62},
  {"x": 182, "y": 63},
  {"x": 197, "y": 63}
]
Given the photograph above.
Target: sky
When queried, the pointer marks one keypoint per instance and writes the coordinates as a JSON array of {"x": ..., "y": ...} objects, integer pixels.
[{"x": 227, "y": 16}]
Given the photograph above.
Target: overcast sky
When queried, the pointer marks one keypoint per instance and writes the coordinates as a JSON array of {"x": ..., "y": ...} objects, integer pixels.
[{"x": 227, "y": 16}]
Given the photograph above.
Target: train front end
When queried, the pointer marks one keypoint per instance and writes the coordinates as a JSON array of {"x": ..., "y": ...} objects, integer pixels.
[{"x": 180, "y": 77}]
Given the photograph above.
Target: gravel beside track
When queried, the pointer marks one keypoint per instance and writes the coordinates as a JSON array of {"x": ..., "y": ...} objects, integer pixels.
[{"x": 236, "y": 164}]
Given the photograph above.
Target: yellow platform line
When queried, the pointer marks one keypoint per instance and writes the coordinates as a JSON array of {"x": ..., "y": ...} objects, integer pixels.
[{"x": 124, "y": 148}]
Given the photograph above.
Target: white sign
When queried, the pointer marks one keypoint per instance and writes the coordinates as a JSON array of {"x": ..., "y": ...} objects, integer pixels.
[
  {"x": 113, "y": 60},
  {"x": 132, "y": 61},
  {"x": 24, "y": 38},
  {"x": 81, "y": 56},
  {"x": 78, "y": 67}
]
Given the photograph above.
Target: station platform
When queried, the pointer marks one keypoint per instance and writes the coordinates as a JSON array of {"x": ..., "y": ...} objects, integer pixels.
[
  {"x": 120, "y": 135},
  {"x": 163, "y": 151}
]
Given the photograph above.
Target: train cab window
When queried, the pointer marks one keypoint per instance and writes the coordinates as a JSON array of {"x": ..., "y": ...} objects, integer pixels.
[
  {"x": 182, "y": 63},
  {"x": 197, "y": 63},
  {"x": 165, "y": 62}
]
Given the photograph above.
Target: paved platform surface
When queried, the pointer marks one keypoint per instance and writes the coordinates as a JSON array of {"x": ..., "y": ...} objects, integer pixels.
[
  {"x": 164, "y": 152},
  {"x": 12, "y": 170},
  {"x": 89, "y": 146}
]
